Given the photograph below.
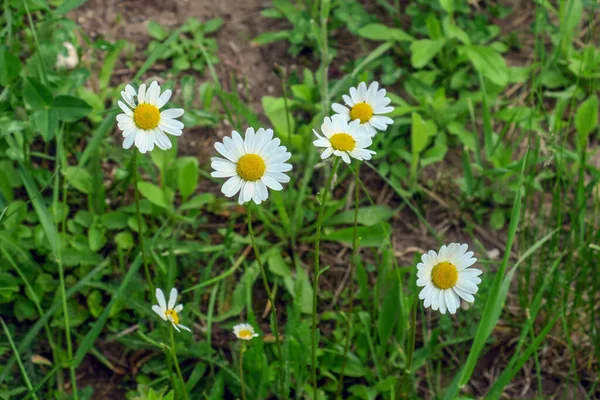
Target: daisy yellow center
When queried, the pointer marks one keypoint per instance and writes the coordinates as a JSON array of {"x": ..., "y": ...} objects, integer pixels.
[
  {"x": 362, "y": 111},
  {"x": 146, "y": 116},
  {"x": 173, "y": 315},
  {"x": 245, "y": 334},
  {"x": 251, "y": 167},
  {"x": 444, "y": 275},
  {"x": 343, "y": 142}
]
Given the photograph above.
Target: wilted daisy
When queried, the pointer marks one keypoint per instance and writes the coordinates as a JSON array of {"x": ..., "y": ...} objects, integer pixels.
[
  {"x": 343, "y": 139},
  {"x": 366, "y": 105},
  {"x": 252, "y": 165},
  {"x": 447, "y": 278},
  {"x": 143, "y": 123},
  {"x": 169, "y": 312},
  {"x": 244, "y": 331}
]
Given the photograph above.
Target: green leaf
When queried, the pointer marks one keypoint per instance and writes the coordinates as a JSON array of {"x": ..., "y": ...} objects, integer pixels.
[
  {"x": 389, "y": 312},
  {"x": 278, "y": 266},
  {"x": 447, "y": 5},
  {"x": 369, "y": 236},
  {"x": 275, "y": 110},
  {"x": 45, "y": 121},
  {"x": 153, "y": 193},
  {"x": 497, "y": 219},
  {"x": 10, "y": 66},
  {"x": 419, "y": 134},
  {"x": 24, "y": 309},
  {"x": 96, "y": 237},
  {"x": 94, "y": 303},
  {"x": 70, "y": 108},
  {"x": 454, "y": 32},
  {"x": 586, "y": 119},
  {"x": 108, "y": 64},
  {"x": 488, "y": 62},
  {"x": 367, "y": 216},
  {"x": 36, "y": 94},
  {"x": 79, "y": 178},
  {"x": 67, "y": 6},
  {"x": 422, "y": 51},
  {"x": 124, "y": 240},
  {"x": 188, "y": 178},
  {"x": 197, "y": 202},
  {"x": 157, "y": 31},
  {"x": 384, "y": 33},
  {"x": 212, "y": 25},
  {"x": 270, "y": 37},
  {"x": 114, "y": 220},
  {"x": 163, "y": 158}
]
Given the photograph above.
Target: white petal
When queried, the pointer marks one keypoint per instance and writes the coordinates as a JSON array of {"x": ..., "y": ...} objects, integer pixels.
[
  {"x": 170, "y": 130},
  {"x": 129, "y": 139},
  {"x": 174, "y": 325},
  {"x": 282, "y": 167},
  {"x": 278, "y": 176},
  {"x": 142, "y": 93},
  {"x": 249, "y": 141},
  {"x": 464, "y": 295},
  {"x": 340, "y": 109},
  {"x": 159, "y": 311},
  {"x": 164, "y": 98},
  {"x": 153, "y": 93},
  {"x": 325, "y": 154},
  {"x": 238, "y": 142},
  {"x": 160, "y": 297},
  {"x": 162, "y": 141},
  {"x": 184, "y": 327},
  {"x": 171, "y": 113},
  {"x": 226, "y": 152},
  {"x": 179, "y": 308},
  {"x": 125, "y": 109},
  {"x": 271, "y": 183},
  {"x": 248, "y": 191},
  {"x": 442, "y": 302},
  {"x": 172, "y": 298},
  {"x": 171, "y": 123},
  {"x": 223, "y": 165},
  {"x": 232, "y": 186}
]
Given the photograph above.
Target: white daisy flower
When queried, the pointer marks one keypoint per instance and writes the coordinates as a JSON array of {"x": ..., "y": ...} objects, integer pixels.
[
  {"x": 244, "y": 332},
  {"x": 169, "y": 312},
  {"x": 366, "y": 105},
  {"x": 252, "y": 165},
  {"x": 343, "y": 139},
  {"x": 447, "y": 278},
  {"x": 143, "y": 123}
]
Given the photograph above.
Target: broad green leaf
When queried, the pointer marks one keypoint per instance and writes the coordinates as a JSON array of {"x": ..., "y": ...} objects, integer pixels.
[
  {"x": 46, "y": 121},
  {"x": 188, "y": 178},
  {"x": 367, "y": 216},
  {"x": 197, "y": 202},
  {"x": 124, "y": 240},
  {"x": 419, "y": 134},
  {"x": 10, "y": 66},
  {"x": 157, "y": 31},
  {"x": 454, "y": 32},
  {"x": 488, "y": 62},
  {"x": 36, "y": 94},
  {"x": 270, "y": 37},
  {"x": 447, "y": 5},
  {"x": 153, "y": 193},
  {"x": 586, "y": 119},
  {"x": 70, "y": 108},
  {"x": 369, "y": 236},
  {"x": 212, "y": 25},
  {"x": 275, "y": 110},
  {"x": 278, "y": 266},
  {"x": 384, "y": 33},
  {"x": 80, "y": 179},
  {"x": 423, "y": 51},
  {"x": 96, "y": 237},
  {"x": 114, "y": 220},
  {"x": 24, "y": 309},
  {"x": 67, "y": 6}
]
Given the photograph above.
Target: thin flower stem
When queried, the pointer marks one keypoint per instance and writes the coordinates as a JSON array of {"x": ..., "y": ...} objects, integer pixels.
[
  {"x": 139, "y": 221},
  {"x": 174, "y": 354},
  {"x": 242, "y": 350},
  {"x": 317, "y": 272},
  {"x": 271, "y": 299},
  {"x": 353, "y": 262},
  {"x": 18, "y": 357}
]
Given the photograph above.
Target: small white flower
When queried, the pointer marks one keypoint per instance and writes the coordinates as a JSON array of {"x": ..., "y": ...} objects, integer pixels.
[
  {"x": 252, "y": 165},
  {"x": 244, "y": 331},
  {"x": 169, "y": 312},
  {"x": 71, "y": 60},
  {"x": 343, "y": 139},
  {"x": 143, "y": 123},
  {"x": 366, "y": 105},
  {"x": 447, "y": 278}
]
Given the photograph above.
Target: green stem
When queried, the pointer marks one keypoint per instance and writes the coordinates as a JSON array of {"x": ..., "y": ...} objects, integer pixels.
[
  {"x": 139, "y": 220},
  {"x": 42, "y": 67},
  {"x": 242, "y": 350},
  {"x": 271, "y": 299},
  {"x": 21, "y": 366},
  {"x": 285, "y": 106},
  {"x": 174, "y": 354},
  {"x": 352, "y": 273},
  {"x": 404, "y": 381},
  {"x": 317, "y": 272}
]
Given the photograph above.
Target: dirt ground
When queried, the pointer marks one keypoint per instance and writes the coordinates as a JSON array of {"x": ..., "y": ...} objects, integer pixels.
[{"x": 128, "y": 19}]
